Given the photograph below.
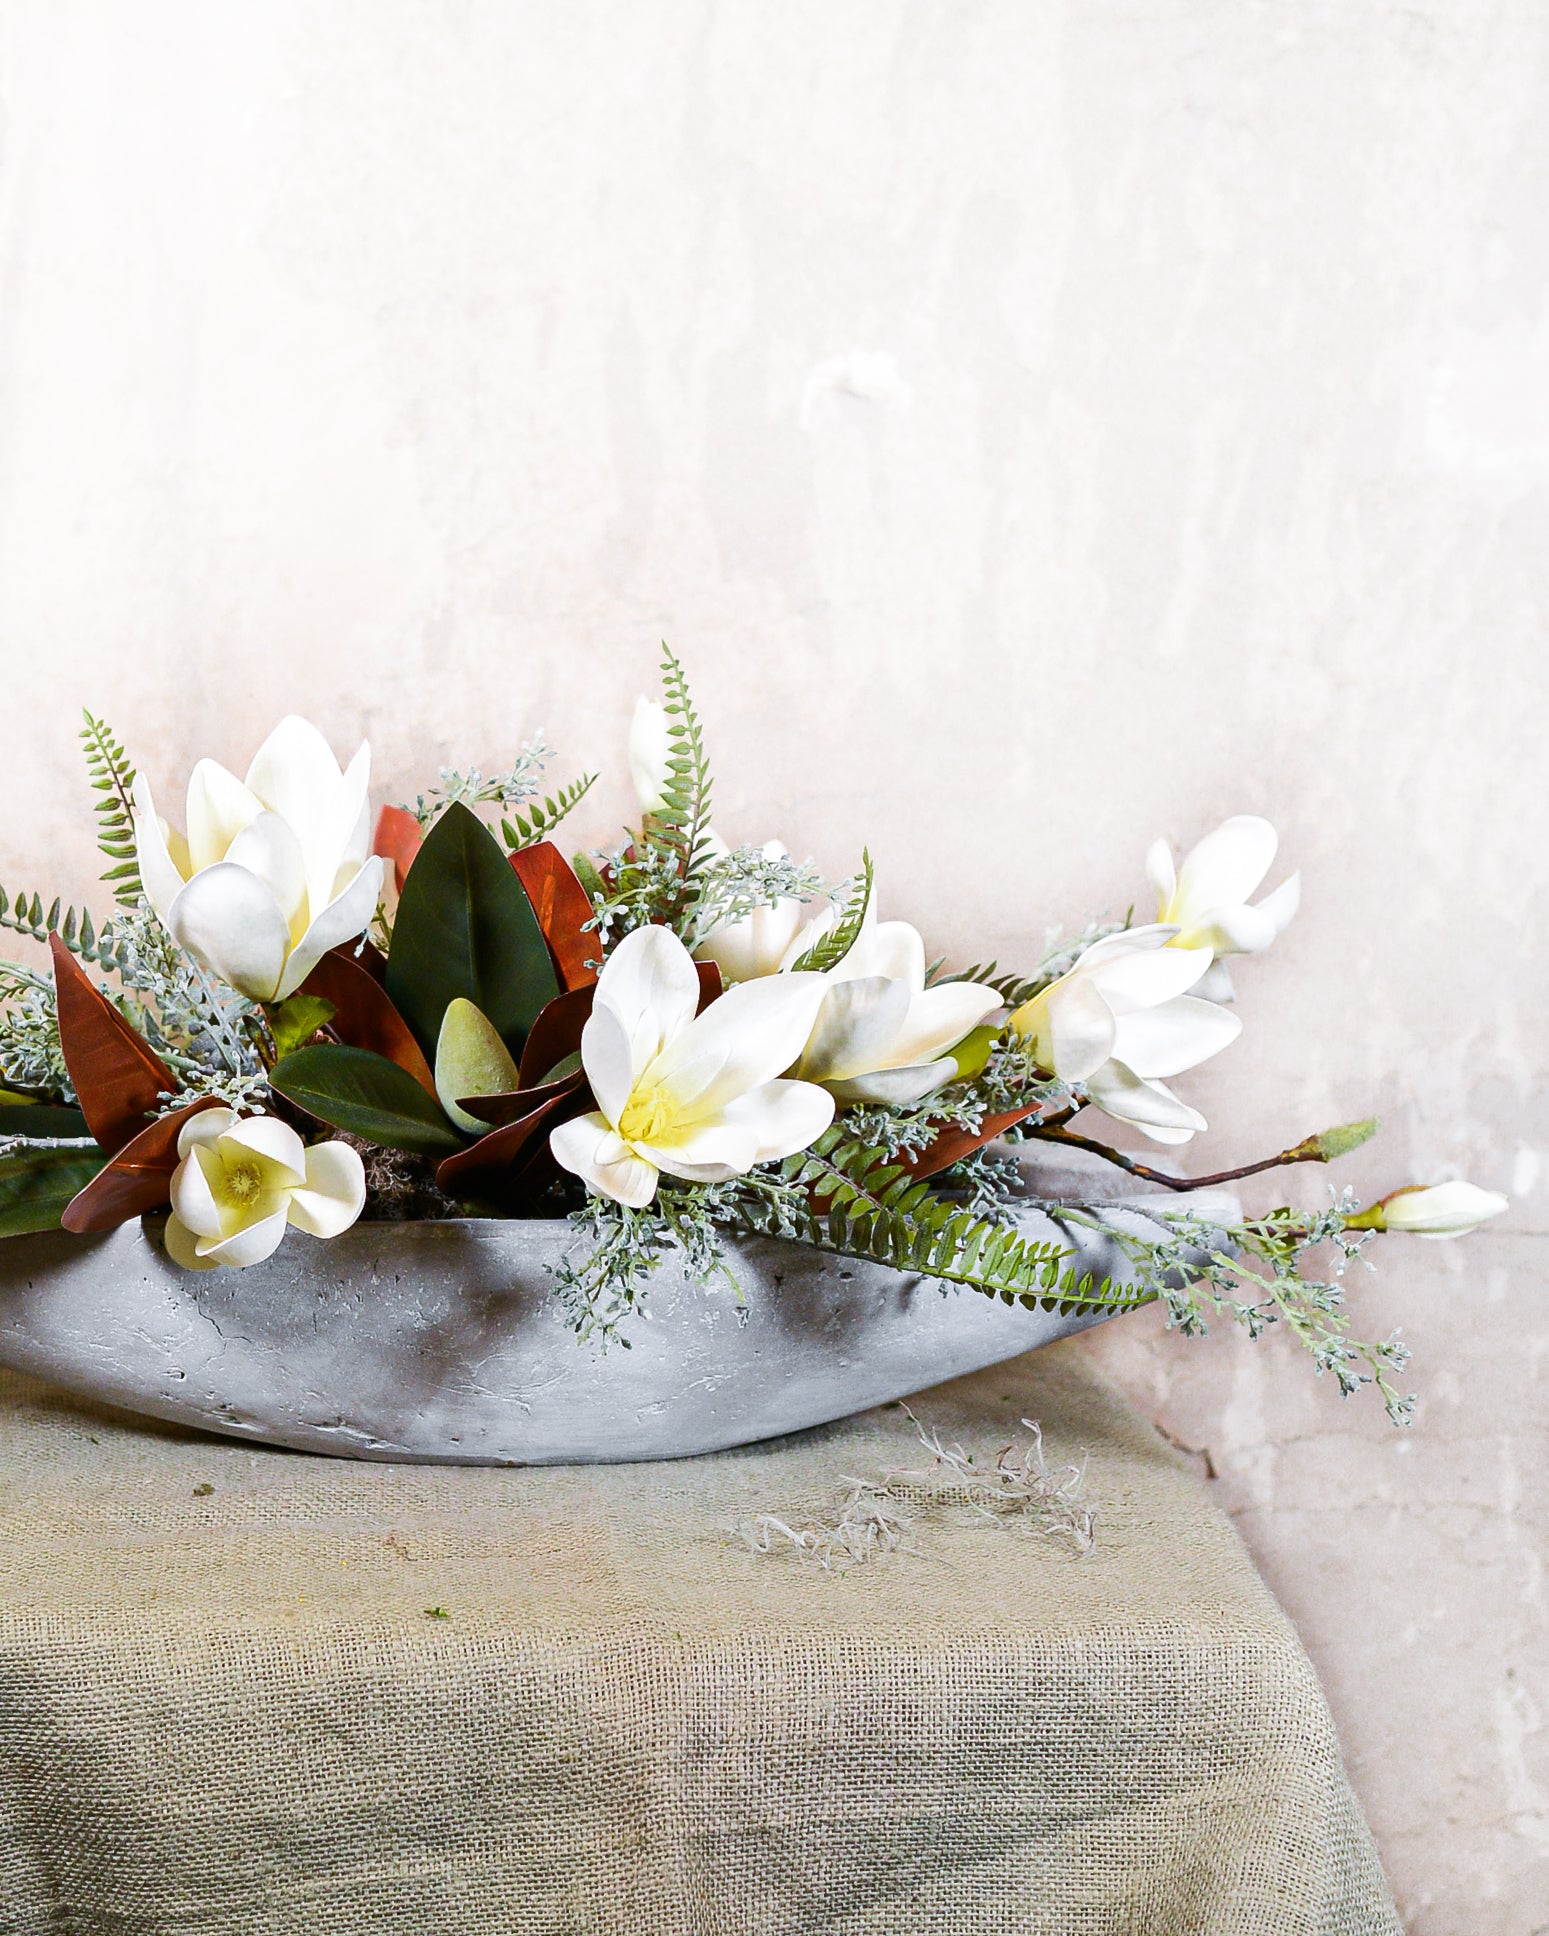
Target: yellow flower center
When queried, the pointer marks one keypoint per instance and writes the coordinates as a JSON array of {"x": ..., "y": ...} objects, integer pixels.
[
  {"x": 243, "y": 1184},
  {"x": 646, "y": 1116}
]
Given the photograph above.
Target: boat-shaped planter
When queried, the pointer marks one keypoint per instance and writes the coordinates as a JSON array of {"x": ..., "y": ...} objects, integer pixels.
[{"x": 443, "y": 1341}]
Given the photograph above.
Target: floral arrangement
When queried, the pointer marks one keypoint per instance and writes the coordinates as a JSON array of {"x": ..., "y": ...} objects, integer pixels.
[{"x": 299, "y": 1015}]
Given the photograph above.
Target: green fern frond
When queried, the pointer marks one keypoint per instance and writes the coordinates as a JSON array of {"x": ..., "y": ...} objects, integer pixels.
[
  {"x": 113, "y": 777},
  {"x": 830, "y": 949},
  {"x": 540, "y": 820},
  {"x": 681, "y": 825},
  {"x": 74, "y": 926},
  {"x": 860, "y": 1205},
  {"x": 1012, "y": 989}
]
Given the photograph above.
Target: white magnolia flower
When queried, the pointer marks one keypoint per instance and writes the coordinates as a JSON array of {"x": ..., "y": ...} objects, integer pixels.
[
  {"x": 762, "y": 942},
  {"x": 650, "y": 748},
  {"x": 274, "y": 870},
  {"x": 881, "y": 1034},
  {"x": 1206, "y": 899},
  {"x": 1121, "y": 1020},
  {"x": 243, "y": 1179},
  {"x": 1443, "y": 1210},
  {"x": 694, "y": 1095}
]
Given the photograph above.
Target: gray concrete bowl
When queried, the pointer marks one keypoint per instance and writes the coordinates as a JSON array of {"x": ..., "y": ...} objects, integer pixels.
[{"x": 443, "y": 1341}]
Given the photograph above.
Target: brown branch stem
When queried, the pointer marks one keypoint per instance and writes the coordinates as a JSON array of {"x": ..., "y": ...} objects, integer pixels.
[{"x": 1286, "y": 1158}]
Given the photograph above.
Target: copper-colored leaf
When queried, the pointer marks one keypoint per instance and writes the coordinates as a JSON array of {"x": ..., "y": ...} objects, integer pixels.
[
  {"x": 117, "y": 1076},
  {"x": 709, "y": 984},
  {"x": 364, "y": 1016},
  {"x": 138, "y": 1179},
  {"x": 563, "y": 908},
  {"x": 513, "y": 1104},
  {"x": 953, "y": 1144},
  {"x": 398, "y": 839},
  {"x": 491, "y": 1167},
  {"x": 555, "y": 1033}
]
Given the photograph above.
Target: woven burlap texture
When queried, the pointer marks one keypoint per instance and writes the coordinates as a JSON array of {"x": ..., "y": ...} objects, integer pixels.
[{"x": 229, "y": 1712}]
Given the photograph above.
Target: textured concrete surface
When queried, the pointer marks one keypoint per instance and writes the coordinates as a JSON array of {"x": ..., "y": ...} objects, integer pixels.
[{"x": 1040, "y": 427}]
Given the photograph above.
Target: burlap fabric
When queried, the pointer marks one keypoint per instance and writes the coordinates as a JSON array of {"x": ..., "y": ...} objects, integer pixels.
[{"x": 228, "y": 1712}]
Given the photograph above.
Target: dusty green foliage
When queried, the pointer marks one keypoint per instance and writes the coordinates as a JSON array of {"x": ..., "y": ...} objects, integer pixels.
[
  {"x": 112, "y": 776},
  {"x": 30, "y": 1056},
  {"x": 527, "y": 829},
  {"x": 1253, "y": 1271},
  {"x": 520, "y": 782},
  {"x": 626, "y": 1249}
]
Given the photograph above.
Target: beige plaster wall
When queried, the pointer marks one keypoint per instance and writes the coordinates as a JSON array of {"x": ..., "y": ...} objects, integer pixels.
[{"x": 1039, "y": 427}]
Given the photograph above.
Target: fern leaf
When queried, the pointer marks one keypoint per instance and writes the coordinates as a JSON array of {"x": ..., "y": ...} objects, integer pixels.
[
  {"x": 112, "y": 776},
  {"x": 681, "y": 826},
  {"x": 830, "y": 949},
  {"x": 540, "y": 819}
]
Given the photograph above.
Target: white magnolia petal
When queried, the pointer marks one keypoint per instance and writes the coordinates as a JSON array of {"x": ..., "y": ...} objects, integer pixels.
[
  {"x": 650, "y": 748},
  {"x": 1443, "y": 1210},
  {"x": 605, "y": 1056},
  {"x": 650, "y": 984},
  {"x": 1226, "y": 866},
  {"x": 206, "y": 1128},
  {"x": 159, "y": 872},
  {"x": 1215, "y": 985},
  {"x": 1161, "y": 873},
  {"x": 219, "y": 807},
  {"x": 1281, "y": 906},
  {"x": 194, "y": 1192},
  {"x": 296, "y": 774},
  {"x": 1170, "y": 1137},
  {"x": 899, "y": 1087},
  {"x": 856, "y": 1026},
  {"x": 704, "y": 1152},
  {"x": 249, "y": 1244},
  {"x": 230, "y": 921},
  {"x": 1145, "y": 939},
  {"x": 809, "y": 935},
  {"x": 1130, "y": 1098},
  {"x": 183, "y": 1245},
  {"x": 1146, "y": 978},
  {"x": 939, "y": 1018},
  {"x": 1230, "y": 931},
  {"x": 757, "y": 945},
  {"x": 783, "y": 1117},
  {"x": 1076, "y": 1029},
  {"x": 344, "y": 919},
  {"x": 892, "y": 948},
  {"x": 268, "y": 847},
  {"x": 589, "y": 1148},
  {"x": 334, "y": 1193},
  {"x": 337, "y": 847},
  {"x": 276, "y": 1143},
  {"x": 753, "y": 1033},
  {"x": 1178, "y": 1035}
]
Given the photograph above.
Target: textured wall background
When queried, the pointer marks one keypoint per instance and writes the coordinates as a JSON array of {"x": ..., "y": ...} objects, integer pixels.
[{"x": 419, "y": 366}]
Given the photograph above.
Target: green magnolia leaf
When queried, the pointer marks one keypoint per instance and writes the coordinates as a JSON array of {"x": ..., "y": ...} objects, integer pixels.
[
  {"x": 364, "y": 1093},
  {"x": 297, "y": 1020},
  {"x": 471, "y": 1060},
  {"x": 36, "y": 1184},
  {"x": 465, "y": 928},
  {"x": 41, "y": 1119}
]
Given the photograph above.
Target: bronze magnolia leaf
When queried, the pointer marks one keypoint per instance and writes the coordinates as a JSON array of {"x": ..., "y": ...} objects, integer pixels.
[{"x": 118, "y": 1078}]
